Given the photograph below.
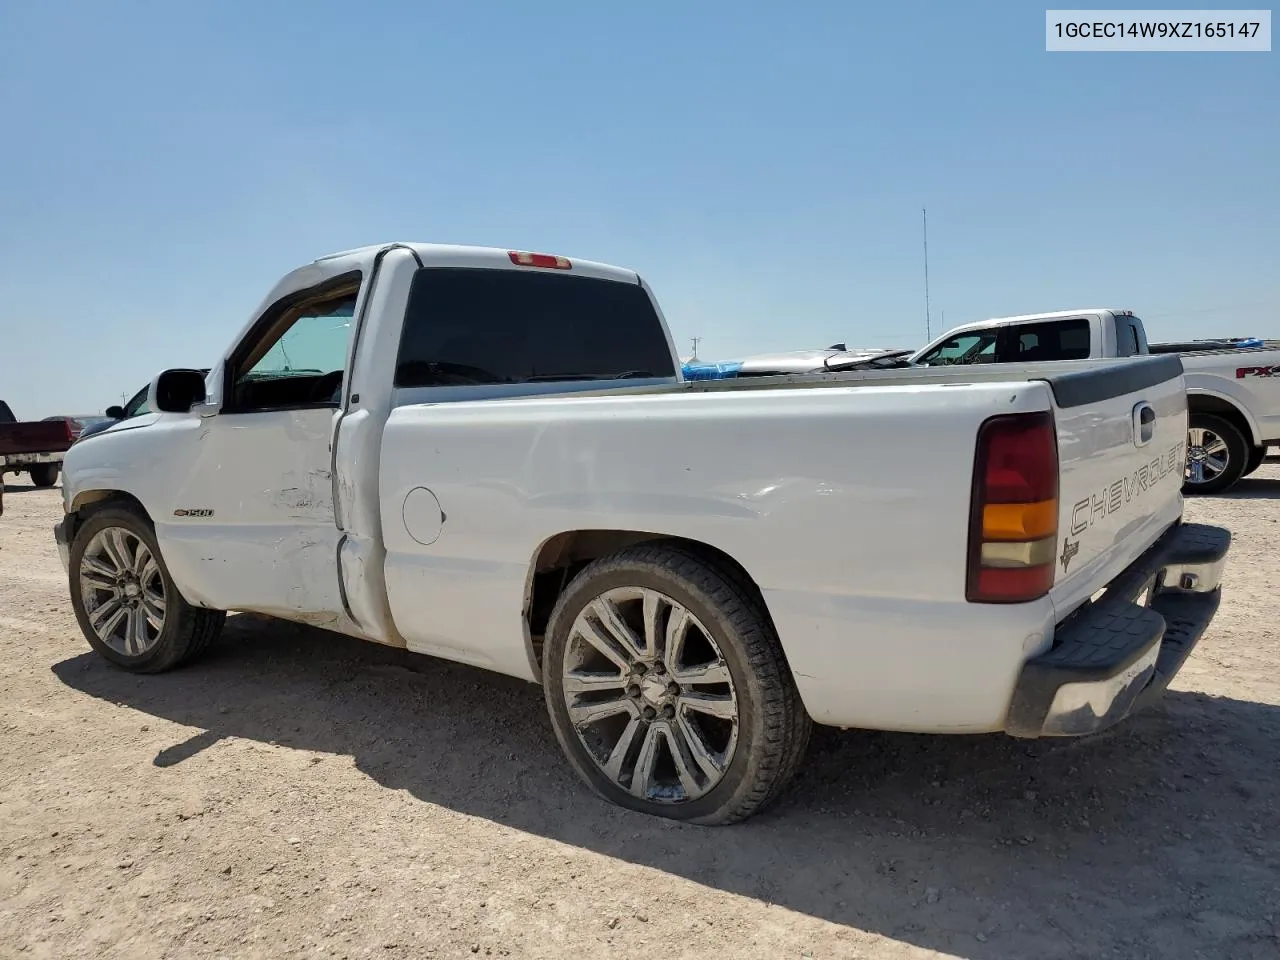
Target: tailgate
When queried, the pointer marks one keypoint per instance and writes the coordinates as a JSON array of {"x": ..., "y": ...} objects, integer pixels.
[
  {"x": 1122, "y": 433},
  {"x": 34, "y": 436}
]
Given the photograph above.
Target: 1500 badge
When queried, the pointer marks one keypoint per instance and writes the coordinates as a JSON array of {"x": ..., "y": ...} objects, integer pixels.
[
  {"x": 1120, "y": 493},
  {"x": 193, "y": 512}
]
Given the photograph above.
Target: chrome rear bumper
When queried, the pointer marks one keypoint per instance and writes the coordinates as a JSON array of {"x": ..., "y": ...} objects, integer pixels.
[{"x": 1119, "y": 653}]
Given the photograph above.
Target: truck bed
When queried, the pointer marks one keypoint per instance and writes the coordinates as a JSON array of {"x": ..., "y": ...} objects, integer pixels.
[
  {"x": 1073, "y": 382},
  {"x": 1210, "y": 347}
]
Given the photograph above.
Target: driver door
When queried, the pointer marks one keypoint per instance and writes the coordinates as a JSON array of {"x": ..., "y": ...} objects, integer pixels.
[{"x": 256, "y": 513}]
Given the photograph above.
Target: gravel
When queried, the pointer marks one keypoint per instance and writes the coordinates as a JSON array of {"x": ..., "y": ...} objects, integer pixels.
[{"x": 297, "y": 793}]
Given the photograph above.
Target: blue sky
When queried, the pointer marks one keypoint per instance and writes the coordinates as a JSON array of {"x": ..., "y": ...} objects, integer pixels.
[{"x": 763, "y": 166}]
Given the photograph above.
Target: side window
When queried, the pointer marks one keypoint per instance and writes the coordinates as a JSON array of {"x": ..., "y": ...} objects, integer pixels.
[
  {"x": 1054, "y": 340},
  {"x": 297, "y": 353},
  {"x": 480, "y": 326},
  {"x": 974, "y": 347}
]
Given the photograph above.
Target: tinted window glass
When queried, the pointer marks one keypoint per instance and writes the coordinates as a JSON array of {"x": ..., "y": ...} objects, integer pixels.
[
  {"x": 469, "y": 326},
  {"x": 973, "y": 347},
  {"x": 1130, "y": 337},
  {"x": 1055, "y": 340},
  {"x": 1140, "y": 333},
  {"x": 1126, "y": 339}
]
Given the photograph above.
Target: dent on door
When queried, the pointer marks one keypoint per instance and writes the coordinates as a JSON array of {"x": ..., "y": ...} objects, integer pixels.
[{"x": 266, "y": 478}]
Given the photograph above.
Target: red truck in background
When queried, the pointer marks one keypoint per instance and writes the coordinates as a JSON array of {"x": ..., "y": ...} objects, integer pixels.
[{"x": 34, "y": 446}]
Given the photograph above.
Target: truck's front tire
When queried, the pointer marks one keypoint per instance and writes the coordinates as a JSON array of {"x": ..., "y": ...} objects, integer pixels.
[
  {"x": 1217, "y": 454},
  {"x": 124, "y": 599},
  {"x": 668, "y": 689},
  {"x": 44, "y": 474}
]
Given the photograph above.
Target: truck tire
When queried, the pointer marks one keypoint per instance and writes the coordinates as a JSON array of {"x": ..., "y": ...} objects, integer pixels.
[
  {"x": 705, "y": 727},
  {"x": 45, "y": 474},
  {"x": 1256, "y": 456},
  {"x": 127, "y": 605},
  {"x": 1217, "y": 454}
]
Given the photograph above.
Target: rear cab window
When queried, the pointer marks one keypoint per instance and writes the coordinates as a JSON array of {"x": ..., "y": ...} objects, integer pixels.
[
  {"x": 1131, "y": 338},
  {"x": 477, "y": 326}
]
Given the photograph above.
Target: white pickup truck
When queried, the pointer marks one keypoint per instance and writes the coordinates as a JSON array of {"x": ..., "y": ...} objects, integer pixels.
[
  {"x": 490, "y": 456},
  {"x": 1233, "y": 391}
]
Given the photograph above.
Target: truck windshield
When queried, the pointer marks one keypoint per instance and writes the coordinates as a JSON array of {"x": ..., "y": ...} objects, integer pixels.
[
  {"x": 479, "y": 326},
  {"x": 974, "y": 346},
  {"x": 137, "y": 404}
]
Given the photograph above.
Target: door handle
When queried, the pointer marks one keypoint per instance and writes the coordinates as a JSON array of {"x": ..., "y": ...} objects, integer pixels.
[{"x": 1144, "y": 424}]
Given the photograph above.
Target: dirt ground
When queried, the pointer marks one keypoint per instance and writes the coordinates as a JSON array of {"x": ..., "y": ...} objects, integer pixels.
[{"x": 301, "y": 794}]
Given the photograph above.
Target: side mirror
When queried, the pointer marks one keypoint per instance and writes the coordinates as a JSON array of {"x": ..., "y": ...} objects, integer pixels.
[
  {"x": 177, "y": 391},
  {"x": 115, "y": 412}
]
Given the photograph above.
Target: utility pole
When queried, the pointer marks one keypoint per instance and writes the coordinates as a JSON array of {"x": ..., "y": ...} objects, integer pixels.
[
  {"x": 696, "y": 341},
  {"x": 928, "y": 326}
]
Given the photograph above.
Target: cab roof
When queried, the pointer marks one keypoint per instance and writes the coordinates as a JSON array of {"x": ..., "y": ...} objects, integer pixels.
[
  {"x": 1034, "y": 317},
  {"x": 461, "y": 255}
]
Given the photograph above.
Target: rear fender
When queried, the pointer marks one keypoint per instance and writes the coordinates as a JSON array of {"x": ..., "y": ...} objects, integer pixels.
[{"x": 1225, "y": 392}]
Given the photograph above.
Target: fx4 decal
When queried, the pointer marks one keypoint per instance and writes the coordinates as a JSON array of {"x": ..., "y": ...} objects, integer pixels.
[{"x": 1243, "y": 372}]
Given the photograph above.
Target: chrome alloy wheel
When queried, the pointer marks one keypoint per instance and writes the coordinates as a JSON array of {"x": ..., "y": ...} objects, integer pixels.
[
  {"x": 650, "y": 696},
  {"x": 122, "y": 590},
  {"x": 1207, "y": 455}
]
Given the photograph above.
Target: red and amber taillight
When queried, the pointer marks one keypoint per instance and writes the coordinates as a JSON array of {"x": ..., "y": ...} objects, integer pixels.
[{"x": 1013, "y": 530}]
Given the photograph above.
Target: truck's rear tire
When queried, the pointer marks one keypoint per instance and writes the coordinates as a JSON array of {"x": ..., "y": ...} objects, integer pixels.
[
  {"x": 668, "y": 689},
  {"x": 1256, "y": 456},
  {"x": 1217, "y": 454},
  {"x": 45, "y": 474},
  {"x": 127, "y": 605}
]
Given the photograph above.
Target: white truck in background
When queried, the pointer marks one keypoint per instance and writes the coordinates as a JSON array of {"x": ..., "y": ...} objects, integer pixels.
[
  {"x": 1233, "y": 391},
  {"x": 490, "y": 456}
]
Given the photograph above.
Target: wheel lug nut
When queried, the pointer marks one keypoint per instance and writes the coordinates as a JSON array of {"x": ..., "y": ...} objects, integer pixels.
[
  {"x": 649, "y": 713},
  {"x": 668, "y": 711},
  {"x": 673, "y": 689},
  {"x": 633, "y": 691}
]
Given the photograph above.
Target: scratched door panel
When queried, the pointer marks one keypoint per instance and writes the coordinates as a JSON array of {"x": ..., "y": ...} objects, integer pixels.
[{"x": 261, "y": 493}]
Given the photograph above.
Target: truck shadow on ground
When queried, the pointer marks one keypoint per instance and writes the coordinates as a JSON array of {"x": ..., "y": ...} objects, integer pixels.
[
  {"x": 1253, "y": 488},
  {"x": 985, "y": 847},
  {"x": 19, "y": 488}
]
